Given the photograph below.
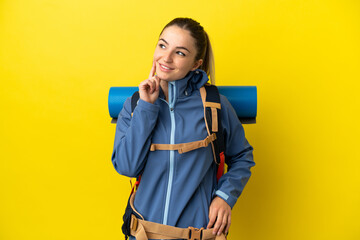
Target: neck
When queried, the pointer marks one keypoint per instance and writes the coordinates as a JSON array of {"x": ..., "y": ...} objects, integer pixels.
[{"x": 165, "y": 87}]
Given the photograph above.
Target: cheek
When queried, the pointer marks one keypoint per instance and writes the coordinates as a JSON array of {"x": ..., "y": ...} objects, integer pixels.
[
  {"x": 156, "y": 55},
  {"x": 187, "y": 65},
  {"x": 155, "y": 58}
]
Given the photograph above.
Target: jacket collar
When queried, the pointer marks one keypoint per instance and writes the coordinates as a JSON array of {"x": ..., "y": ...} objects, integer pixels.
[{"x": 194, "y": 80}]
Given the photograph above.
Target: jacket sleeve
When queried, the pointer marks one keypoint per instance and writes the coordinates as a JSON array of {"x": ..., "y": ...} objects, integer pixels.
[
  {"x": 238, "y": 156},
  {"x": 133, "y": 137}
]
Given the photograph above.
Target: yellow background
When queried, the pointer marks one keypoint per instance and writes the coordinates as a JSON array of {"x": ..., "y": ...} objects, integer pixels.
[{"x": 58, "y": 60}]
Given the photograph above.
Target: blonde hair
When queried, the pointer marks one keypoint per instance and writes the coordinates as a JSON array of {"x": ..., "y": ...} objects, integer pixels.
[{"x": 209, "y": 62}]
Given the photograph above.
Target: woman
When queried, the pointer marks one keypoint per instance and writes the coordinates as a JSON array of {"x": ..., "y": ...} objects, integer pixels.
[{"x": 180, "y": 189}]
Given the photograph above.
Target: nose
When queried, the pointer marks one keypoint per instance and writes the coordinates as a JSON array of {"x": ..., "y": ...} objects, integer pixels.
[{"x": 167, "y": 57}]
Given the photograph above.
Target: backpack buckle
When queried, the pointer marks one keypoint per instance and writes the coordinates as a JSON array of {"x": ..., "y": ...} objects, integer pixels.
[
  {"x": 195, "y": 233},
  {"x": 133, "y": 223}
]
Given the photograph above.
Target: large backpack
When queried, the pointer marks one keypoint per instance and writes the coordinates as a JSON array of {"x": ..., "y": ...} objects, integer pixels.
[{"x": 212, "y": 109}]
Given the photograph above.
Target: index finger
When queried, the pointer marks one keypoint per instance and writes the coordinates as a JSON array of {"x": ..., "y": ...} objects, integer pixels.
[{"x": 153, "y": 70}]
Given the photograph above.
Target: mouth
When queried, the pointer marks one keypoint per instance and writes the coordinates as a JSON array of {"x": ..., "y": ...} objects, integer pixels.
[{"x": 165, "y": 68}]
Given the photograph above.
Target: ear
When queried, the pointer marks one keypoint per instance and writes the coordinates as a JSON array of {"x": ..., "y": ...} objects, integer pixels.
[{"x": 197, "y": 64}]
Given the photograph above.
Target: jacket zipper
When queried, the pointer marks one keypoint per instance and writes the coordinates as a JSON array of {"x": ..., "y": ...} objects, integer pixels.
[{"x": 172, "y": 97}]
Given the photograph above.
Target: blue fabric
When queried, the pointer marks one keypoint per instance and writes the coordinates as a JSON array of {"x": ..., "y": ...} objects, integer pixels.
[{"x": 177, "y": 189}]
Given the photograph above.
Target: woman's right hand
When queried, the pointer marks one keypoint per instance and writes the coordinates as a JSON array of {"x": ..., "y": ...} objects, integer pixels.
[{"x": 149, "y": 89}]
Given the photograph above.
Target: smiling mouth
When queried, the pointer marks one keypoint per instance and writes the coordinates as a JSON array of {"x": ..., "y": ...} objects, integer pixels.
[{"x": 165, "y": 68}]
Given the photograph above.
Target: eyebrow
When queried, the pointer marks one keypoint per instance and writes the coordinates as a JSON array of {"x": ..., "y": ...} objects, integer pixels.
[{"x": 176, "y": 47}]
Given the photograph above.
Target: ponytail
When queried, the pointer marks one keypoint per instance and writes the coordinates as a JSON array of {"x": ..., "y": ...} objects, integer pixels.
[{"x": 208, "y": 61}]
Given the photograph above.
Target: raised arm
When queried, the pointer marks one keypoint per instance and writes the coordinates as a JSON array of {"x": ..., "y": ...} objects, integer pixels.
[{"x": 133, "y": 133}]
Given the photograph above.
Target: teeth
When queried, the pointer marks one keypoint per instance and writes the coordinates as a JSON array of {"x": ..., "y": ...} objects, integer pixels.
[{"x": 165, "y": 67}]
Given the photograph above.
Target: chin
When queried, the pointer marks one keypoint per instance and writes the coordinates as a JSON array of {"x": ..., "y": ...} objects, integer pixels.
[
  {"x": 165, "y": 77},
  {"x": 169, "y": 78}
]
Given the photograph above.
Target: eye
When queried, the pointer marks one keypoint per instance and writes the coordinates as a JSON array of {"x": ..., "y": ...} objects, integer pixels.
[
  {"x": 181, "y": 53},
  {"x": 161, "y": 45}
]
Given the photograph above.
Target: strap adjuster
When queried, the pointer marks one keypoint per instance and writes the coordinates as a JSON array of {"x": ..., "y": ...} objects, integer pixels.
[
  {"x": 195, "y": 233},
  {"x": 133, "y": 223}
]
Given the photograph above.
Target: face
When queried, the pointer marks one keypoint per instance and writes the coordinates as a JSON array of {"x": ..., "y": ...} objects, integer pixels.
[{"x": 175, "y": 54}]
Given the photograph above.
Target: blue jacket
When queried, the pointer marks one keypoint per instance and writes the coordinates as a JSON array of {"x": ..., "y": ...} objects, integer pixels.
[{"x": 177, "y": 189}]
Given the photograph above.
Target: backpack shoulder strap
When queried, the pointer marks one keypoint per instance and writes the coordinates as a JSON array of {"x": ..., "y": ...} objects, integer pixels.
[
  {"x": 134, "y": 100},
  {"x": 212, "y": 109}
]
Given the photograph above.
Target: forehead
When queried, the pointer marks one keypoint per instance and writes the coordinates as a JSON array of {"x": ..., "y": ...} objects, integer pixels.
[{"x": 178, "y": 37}]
